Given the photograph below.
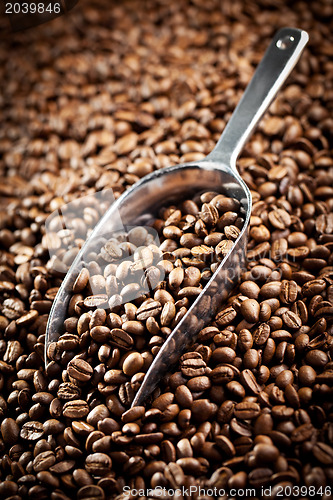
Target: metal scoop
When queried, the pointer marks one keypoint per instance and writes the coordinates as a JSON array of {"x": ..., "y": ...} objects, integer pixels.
[{"x": 216, "y": 172}]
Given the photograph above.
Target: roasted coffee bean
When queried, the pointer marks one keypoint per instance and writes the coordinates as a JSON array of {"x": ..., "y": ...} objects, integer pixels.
[
  {"x": 32, "y": 431},
  {"x": 9, "y": 431},
  {"x": 246, "y": 410},
  {"x": 75, "y": 409},
  {"x": 222, "y": 374},
  {"x": 265, "y": 453},
  {"x": 288, "y": 292},
  {"x": 98, "y": 464},
  {"x": 261, "y": 334},
  {"x": 80, "y": 370},
  {"x": 250, "y": 310},
  {"x": 133, "y": 363},
  {"x": 120, "y": 338},
  {"x": 292, "y": 320},
  {"x": 192, "y": 366},
  {"x": 44, "y": 461}
]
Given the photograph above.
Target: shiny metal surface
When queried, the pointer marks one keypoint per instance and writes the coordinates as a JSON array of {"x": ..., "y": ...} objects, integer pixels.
[{"x": 216, "y": 172}]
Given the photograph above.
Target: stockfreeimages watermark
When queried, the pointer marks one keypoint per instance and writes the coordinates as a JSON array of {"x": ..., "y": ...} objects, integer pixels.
[
  {"x": 214, "y": 492},
  {"x": 280, "y": 491}
]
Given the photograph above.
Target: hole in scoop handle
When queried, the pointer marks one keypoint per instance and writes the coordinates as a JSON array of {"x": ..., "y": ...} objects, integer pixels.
[{"x": 277, "y": 63}]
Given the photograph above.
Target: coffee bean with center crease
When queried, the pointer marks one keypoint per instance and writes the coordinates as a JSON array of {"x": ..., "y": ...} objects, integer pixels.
[
  {"x": 9, "y": 431},
  {"x": 68, "y": 391},
  {"x": 249, "y": 381},
  {"x": 288, "y": 293},
  {"x": 148, "y": 309},
  {"x": 192, "y": 365},
  {"x": 247, "y": 410},
  {"x": 43, "y": 461},
  {"x": 292, "y": 320},
  {"x": 32, "y": 431},
  {"x": 121, "y": 339},
  {"x": 98, "y": 464},
  {"x": 75, "y": 409},
  {"x": 261, "y": 334},
  {"x": 90, "y": 491},
  {"x": 279, "y": 218},
  {"x": 225, "y": 316},
  {"x": 80, "y": 370}
]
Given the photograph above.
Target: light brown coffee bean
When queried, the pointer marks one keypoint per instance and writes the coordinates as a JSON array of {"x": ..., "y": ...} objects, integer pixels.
[
  {"x": 76, "y": 409},
  {"x": 247, "y": 410},
  {"x": 133, "y": 363},
  {"x": 250, "y": 310}
]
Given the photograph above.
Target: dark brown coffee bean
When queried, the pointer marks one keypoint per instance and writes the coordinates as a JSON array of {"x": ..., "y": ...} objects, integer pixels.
[
  {"x": 271, "y": 289},
  {"x": 292, "y": 320},
  {"x": 121, "y": 339},
  {"x": 302, "y": 433},
  {"x": 313, "y": 287},
  {"x": 133, "y": 363},
  {"x": 249, "y": 289},
  {"x": 245, "y": 340},
  {"x": 115, "y": 377},
  {"x": 279, "y": 218},
  {"x": 288, "y": 293},
  {"x": 184, "y": 396},
  {"x": 223, "y": 355},
  {"x": 226, "y": 316},
  {"x": 306, "y": 375},
  {"x": 81, "y": 281},
  {"x": 225, "y": 445},
  {"x": 323, "y": 453},
  {"x": 251, "y": 359},
  {"x": 265, "y": 453},
  {"x": 133, "y": 414},
  {"x": 316, "y": 358},
  {"x": 163, "y": 401},
  {"x": 199, "y": 384}
]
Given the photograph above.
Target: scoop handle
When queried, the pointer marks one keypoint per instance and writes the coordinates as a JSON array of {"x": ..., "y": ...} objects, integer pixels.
[{"x": 277, "y": 63}]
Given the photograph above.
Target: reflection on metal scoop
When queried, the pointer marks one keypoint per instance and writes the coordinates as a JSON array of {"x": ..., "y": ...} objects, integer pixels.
[{"x": 217, "y": 172}]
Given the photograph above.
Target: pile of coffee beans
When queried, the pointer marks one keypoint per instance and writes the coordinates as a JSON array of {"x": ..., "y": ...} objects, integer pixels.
[{"x": 96, "y": 100}]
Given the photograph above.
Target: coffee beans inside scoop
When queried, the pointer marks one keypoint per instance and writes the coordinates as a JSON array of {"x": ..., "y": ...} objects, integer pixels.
[{"x": 135, "y": 289}]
